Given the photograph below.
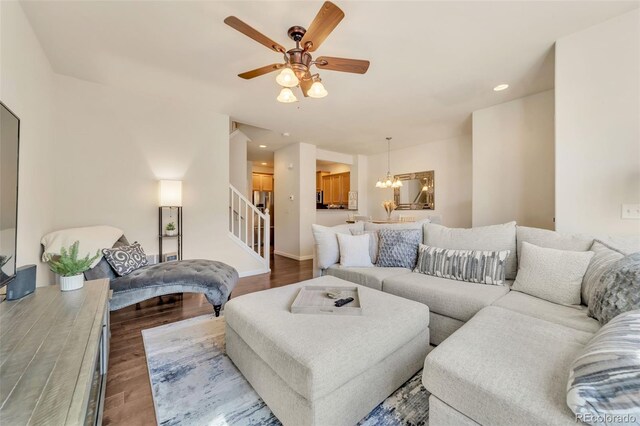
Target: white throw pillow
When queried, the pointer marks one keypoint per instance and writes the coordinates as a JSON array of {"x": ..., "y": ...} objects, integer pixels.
[
  {"x": 91, "y": 239},
  {"x": 551, "y": 274},
  {"x": 327, "y": 249},
  {"x": 354, "y": 250}
]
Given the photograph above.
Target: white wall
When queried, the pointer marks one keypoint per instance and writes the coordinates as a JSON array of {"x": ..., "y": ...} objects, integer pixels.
[
  {"x": 598, "y": 127},
  {"x": 113, "y": 146},
  {"x": 238, "y": 161},
  {"x": 513, "y": 162},
  {"x": 294, "y": 176},
  {"x": 451, "y": 161},
  {"x": 26, "y": 87}
]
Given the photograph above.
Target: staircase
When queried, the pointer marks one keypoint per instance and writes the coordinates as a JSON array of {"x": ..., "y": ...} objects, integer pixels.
[{"x": 250, "y": 227}]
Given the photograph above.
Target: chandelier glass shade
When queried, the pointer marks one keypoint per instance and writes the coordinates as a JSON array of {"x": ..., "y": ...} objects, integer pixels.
[
  {"x": 389, "y": 181},
  {"x": 286, "y": 96},
  {"x": 287, "y": 78},
  {"x": 317, "y": 90}
]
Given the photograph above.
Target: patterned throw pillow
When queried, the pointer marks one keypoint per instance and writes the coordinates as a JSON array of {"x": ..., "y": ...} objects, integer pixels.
[
  {"x": 374, "y": 241},
  {"x": 398, "y": 247},
  {"x": 601, "y": 261},
  {"x": 604, "y": 380},
  {"x": 474, "y": 266},
  {"x": 126, "y": 259},
  {"x": 618, "y": 291}
]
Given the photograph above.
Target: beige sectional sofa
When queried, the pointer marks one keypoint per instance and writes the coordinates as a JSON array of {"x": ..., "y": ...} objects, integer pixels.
[{"x": 502, "y": 356}]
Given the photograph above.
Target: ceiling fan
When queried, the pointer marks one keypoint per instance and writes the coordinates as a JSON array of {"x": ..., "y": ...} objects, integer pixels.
[{"x": 296, "y": 69}]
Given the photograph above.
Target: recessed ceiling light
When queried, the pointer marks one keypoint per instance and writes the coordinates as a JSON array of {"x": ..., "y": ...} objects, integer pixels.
[
  {"x": 500, "y": 87},
  {"x": 286, "y": 134},
  {"x": 262, "y": 146},
  {"x": 264, "y": 164}
]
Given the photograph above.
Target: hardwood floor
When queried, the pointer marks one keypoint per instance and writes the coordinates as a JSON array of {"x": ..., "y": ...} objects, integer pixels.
[{"x": 128, "y": 393}]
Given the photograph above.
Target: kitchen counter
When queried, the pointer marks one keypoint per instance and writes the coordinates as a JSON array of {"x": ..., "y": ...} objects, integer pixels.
[{"x": 332, "y": 217}]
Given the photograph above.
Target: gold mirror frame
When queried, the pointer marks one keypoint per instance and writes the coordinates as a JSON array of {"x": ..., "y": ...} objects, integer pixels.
[{"x": 428, "y": 179}]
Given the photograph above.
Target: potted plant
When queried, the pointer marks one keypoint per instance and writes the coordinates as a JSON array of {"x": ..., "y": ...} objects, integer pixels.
[
  {"x": 389, "y": 207},
  {"x": 170, "y": 229},
  {"x": 70, "y": 267}
]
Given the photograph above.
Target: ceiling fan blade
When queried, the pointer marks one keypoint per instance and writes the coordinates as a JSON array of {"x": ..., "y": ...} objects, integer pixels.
[
  {"x": 251, "y": 32},
  {"x": 260, "y": 71},
  {"x": 305, "y": 85},
  {"x": 357, "y": 66},
  {"x": 325, "y": 21}
]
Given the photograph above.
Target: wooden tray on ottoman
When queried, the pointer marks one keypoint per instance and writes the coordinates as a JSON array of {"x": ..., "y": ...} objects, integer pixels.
[{"x": 314, "y": 300}]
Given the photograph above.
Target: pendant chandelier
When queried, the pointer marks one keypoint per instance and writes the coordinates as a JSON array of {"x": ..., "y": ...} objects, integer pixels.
[{"x": 389, "y": 181}]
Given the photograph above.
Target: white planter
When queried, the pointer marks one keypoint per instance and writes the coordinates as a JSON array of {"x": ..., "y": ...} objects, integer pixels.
[
  {"x": 172, "y": 233},
  {"x": 72, "y": 283}
]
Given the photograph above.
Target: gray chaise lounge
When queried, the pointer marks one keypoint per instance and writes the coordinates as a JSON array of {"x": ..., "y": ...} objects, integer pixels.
[{"x": 216, "y": 280}]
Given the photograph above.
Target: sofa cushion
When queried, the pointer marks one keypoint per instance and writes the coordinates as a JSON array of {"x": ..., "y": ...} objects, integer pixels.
[
  {"x": 552, "y": 239},
  {"x": 603, "y": 257},
  {"x": 354, "y": 250},
  {"x": 618, "y": 291},
  {"x": 474, "y": 266},
  {"x": 551, "y": 274},
  {"x": 491, "y": 238},
  {"x": 456, "y": 299},
  {"x": 307, "y": 351},
  {"x": 369, "y": 226},
  {"x": 570, "y": 316},
  {"x": 326, "y": 242},
  {"x": 374, "y": 241},
  {"x": 605, "y": 378},
  {"x": 506, "y": 368},
  {"x": 398, "y": 247},
  {"x": 369, "y": 277}
]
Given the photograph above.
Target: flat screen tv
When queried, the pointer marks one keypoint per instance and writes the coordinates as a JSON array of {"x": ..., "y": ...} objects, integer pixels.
[{"x": 9, "y": 146}]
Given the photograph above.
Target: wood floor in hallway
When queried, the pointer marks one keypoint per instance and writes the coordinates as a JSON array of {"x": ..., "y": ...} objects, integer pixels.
[{"x": 128, "y": 394}]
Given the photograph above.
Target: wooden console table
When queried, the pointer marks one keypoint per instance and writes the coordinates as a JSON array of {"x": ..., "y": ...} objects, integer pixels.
[{"x": 54, "y": 350}]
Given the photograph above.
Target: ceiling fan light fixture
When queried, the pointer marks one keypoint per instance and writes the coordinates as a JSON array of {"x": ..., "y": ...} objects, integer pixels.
[
  {"x": 317, "y": 90},
  {"x": 287, "y": 78},
  {"x": 286, "y": 96}
]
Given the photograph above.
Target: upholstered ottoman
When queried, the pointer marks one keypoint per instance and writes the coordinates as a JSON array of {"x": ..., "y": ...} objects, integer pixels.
[{"x": 326, "y": 370}]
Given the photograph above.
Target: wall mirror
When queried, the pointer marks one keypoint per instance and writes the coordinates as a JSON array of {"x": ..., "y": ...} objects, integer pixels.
[{"x": 417, "y": 191}]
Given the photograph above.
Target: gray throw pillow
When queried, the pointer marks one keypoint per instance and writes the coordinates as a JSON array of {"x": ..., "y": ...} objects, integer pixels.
[
  {"x": 373, "y": 243},
  {"x": 618, "y": 291},
  {"x": 125, "y": 259},
  {"x": 398, "y": 247},
  {"x": 551, "y": 274},
  {"x": 604, "y": 256},
  {"x": 474, "y": 266},
  {"x": 604, "y": 380}
]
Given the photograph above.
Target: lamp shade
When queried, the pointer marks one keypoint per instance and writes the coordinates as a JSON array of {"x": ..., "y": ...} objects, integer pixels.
[{"x": 171, "y": 193}]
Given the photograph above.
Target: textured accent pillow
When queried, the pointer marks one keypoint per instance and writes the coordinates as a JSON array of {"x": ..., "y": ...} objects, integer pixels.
[
  {"x": 550, "y": 274},
  {"x": 604, "y": 379},
  {"x": 327, "y": 249},
  {"x": 354, "y": 251},
  {"x": 485, "y": 238},
  {"x": 618, "y": 291},
  {"x": 125, "y": 259},
  {"x": 398, "y": 247},
  {"x": 604, "y": 256},
  {"x": 474, "y": 266},
  {"x": 374, "y": 241}
]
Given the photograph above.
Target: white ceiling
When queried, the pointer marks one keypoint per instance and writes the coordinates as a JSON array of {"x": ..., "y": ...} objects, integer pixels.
[{"x": 432, "y": 63}]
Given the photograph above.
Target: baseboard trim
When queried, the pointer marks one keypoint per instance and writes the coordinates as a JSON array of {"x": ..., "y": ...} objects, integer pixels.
[
  {"x": 293, "y": 256},
  {"x": 254, "y": 272}
]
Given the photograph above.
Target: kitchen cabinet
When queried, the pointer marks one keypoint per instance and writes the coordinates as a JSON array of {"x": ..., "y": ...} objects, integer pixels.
[
  {"x": 262, "y": 182},
  {"x": 336, "y": 188},
  {"x": 319, "y": 184}
]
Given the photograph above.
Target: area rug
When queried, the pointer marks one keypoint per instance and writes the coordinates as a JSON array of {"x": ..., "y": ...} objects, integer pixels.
[{"x": 195, "y": 383}]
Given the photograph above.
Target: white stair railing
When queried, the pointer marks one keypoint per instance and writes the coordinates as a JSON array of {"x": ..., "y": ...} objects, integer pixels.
[{"x": 249, "y": 225}]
